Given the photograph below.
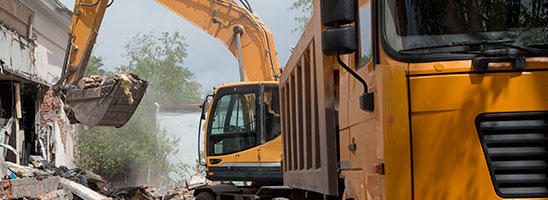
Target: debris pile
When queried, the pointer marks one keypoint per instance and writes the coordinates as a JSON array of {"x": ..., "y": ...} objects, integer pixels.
[
  {"x": 92, "y": 81},
  {"x": 44, "y": 181}
]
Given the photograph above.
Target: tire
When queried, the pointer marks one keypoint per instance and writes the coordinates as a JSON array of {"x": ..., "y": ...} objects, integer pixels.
[{"x": 205, "y": 196}]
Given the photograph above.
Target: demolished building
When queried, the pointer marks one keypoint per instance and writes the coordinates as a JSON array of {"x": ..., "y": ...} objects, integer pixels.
[{"x": 33, "y": 37}]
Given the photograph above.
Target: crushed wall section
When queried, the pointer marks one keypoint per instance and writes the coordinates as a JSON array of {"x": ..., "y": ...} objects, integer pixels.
[
  {"x": 33, "y": 36},
  {"x": 17, "y": 54},
  {"x": 55, "y": 124}
]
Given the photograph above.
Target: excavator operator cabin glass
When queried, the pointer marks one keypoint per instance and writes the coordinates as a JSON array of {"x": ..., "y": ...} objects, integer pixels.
[
  {"x": 425, "y": 25},
  {"x": 234, "y": 124}
]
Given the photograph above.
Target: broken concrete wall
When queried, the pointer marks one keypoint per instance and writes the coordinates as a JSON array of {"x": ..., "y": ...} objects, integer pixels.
[
  {"x": 58, "y": 130},
  {"x": 33, "y": 37},
  {"x": 50, "y": 24},
  {"x": 16, "y": 53},
  {"x": 18, "y": 78}
]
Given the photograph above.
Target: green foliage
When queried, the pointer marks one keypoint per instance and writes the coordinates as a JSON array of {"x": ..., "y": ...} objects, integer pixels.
[
  {"x": 94, "y": 67},
  {"x": 159, "y": 60},
  {"x": 185, "y": 170},
  {"x": 137, "y": 152},
  {"x": 306, "y": 7},
  {"x": 200, "y": 169},
  {"x": 127, "y": 153}
]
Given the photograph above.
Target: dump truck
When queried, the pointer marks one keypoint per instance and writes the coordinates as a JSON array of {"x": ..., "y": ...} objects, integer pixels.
[{"x": 388, "y": 99}]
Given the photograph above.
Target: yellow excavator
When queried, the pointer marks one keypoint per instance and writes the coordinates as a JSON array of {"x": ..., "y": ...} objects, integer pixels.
[
  {"x": 242, "y": 137},
  {"x": 110, "y": 104}
]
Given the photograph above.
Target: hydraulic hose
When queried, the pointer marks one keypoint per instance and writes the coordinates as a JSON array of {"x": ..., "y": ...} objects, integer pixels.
[
  {"x": 87, "y": 4},
  {"x": 110, "y": 4}
]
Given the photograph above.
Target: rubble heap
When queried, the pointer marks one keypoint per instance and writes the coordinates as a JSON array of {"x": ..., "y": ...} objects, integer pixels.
[{"x": 44, "y": 181}]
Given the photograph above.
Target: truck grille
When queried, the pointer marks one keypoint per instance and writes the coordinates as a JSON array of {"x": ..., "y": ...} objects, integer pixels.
[{"x": 516, "y": 149}]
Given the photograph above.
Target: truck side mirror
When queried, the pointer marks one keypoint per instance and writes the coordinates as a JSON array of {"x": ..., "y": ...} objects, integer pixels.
[
  {"x": 337, "y": 12},
  {"x": 339, "y": 39}
]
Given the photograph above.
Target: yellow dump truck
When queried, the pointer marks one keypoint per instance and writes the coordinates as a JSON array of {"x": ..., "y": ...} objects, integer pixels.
[{"x": 417, "y": 99}]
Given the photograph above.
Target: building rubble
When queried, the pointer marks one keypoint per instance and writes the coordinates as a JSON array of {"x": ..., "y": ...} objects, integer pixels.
[
  {"x": 44, "y": 181},
  {"x": 36, "y": 134}
]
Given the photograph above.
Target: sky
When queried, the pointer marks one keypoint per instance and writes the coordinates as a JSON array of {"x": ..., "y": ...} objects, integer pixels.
[{"x": 210, "y": 61}]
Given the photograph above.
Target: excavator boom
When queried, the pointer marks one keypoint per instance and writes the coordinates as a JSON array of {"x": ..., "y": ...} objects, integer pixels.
[
  {"x": 221, "y": 19},
  {"x": 86, "y": 20}
]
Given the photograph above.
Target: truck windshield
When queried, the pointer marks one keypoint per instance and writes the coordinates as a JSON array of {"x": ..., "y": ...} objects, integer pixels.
[{"x": 419, "y": 24}]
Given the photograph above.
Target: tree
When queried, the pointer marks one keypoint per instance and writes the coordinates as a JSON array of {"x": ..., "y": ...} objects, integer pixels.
[
  {"x": 94, "y": 67},
  {"x": 159, "y": 60},
  {"x": 137, "y": 152},
  {"x": 185, "y": 170},
  {"x": 306, "y": 7}
]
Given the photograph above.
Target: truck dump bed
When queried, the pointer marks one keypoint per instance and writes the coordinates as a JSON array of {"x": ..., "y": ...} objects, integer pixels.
[{"x": 310, "y": 141}]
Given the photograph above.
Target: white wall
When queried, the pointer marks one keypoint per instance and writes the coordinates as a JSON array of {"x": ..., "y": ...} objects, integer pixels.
[
  {"x": 51, "y": 23},
  {"x": 50, "y": 50},
  {"x": 185, "y": 127}
]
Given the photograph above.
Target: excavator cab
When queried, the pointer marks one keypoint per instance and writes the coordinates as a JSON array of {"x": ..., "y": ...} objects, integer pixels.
[{"x": 243, "y": 122}]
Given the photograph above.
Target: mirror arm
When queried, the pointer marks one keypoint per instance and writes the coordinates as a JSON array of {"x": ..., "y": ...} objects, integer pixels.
[
  {"x": 352, "y": 72},
  {"x": 367, "y": 98}
]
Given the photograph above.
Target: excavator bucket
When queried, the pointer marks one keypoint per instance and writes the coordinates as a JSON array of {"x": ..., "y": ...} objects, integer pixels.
[{"x": 105, "y": 103}]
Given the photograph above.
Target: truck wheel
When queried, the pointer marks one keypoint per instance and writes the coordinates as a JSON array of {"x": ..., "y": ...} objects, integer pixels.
[{"x": 205, "y": 196}]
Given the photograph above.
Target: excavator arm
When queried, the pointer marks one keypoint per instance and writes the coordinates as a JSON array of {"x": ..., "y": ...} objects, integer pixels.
[
  {"x": 224, "y": 20},
  {"x": 86, "y": 20},
  {"x": 113, "y": 101}
]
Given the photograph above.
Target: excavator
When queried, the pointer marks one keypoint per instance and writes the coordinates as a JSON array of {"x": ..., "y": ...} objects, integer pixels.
[
  {"x": 114, "y": 102},
  {"x": 242, "y": 137}
]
